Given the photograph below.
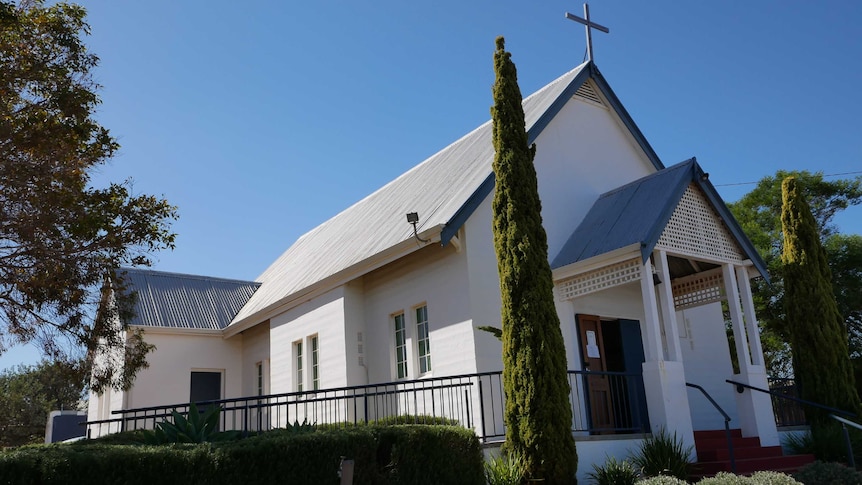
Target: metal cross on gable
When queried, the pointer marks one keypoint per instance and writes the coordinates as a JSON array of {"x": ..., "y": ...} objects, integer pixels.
[{"x": 588, "y": 25}]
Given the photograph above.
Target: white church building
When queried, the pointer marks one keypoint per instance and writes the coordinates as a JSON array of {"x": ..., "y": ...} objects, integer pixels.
[{"x": 361, "y": 318}]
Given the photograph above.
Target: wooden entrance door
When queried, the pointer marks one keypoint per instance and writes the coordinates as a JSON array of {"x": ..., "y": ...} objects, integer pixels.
[{"x": 598, "y": 388}]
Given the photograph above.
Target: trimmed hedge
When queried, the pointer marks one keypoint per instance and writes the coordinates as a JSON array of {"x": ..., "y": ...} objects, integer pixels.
[{"x": 384, "y": 455}]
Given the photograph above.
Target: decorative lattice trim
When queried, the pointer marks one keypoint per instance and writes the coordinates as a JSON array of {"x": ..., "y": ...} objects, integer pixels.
[
  {"x": 698, "y": 289},
  {"x": 601, "y": 279},
  {"x": 695, "y": 229}
]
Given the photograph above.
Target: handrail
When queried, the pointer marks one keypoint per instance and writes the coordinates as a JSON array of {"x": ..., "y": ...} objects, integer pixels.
[
  {"x": 740, "y": 386},
  {"x": 726, "y": 423},
  {"x": 851, "y": 460}
]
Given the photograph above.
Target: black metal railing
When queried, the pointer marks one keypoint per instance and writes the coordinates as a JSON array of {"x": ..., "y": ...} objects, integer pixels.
[
  {"x": 474, "y": 401},
  {"x": 787, "y": 412},
  {"x": 726, "y": 417}
]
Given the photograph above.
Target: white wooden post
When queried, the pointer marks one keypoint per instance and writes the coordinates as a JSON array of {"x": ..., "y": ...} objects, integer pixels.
[
  {"x": 755, "y": 408},
  {"x": 668, "y": 310},
  {"x": 664, "y": 381}
]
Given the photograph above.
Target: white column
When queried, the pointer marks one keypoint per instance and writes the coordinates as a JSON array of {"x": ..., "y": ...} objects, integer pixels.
[
  {"x": 652, "y": 333},
  {"x": 750, "y": 319},
  {"x": 664, "y": 381},
  {"x": 754, "y": 407},
  {"x": 739, "y": 336},
  {"x": 668, "y": 310}
]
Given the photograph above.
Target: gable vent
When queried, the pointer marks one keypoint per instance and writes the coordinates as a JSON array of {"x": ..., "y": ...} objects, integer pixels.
[{"x": 587, "y": 93}]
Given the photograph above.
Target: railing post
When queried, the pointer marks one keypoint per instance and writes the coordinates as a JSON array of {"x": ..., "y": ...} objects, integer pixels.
[
  {"x": 484, "y": 436},
  {"x": 850, "y": 459}
]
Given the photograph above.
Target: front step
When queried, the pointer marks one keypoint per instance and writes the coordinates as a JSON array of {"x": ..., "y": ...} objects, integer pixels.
[{"x": 714, "y": 456}]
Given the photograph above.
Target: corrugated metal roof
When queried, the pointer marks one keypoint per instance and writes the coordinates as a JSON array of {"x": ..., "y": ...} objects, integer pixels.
[
  {"x": 186, "y": 301},
  {"x": 627, "y": 215},
  {"x": 436, "y": 189}
]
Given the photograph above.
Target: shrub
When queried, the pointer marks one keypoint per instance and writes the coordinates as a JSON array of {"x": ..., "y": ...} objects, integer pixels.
[
  {"x": 198, "y": 427},
  {"x": 826, "y": 443},
  {"x": 662, "y": 480},
  {"x": 772, "y": 478},
  {"x": 614, "y": 472},
  {"x": 822, "y": 473},
  {"x": 759, "y": 478},
  {"x": 663, "y": 454},
  {"x": 382, "y": 455},
  {"x": 504, "y": 470}
]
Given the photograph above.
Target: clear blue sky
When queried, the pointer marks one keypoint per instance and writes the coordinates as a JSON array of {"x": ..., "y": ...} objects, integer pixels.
[{"x": 261, "y": 120}]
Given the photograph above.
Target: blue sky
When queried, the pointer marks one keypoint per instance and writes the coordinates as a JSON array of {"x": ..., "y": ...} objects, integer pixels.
[{"x": 261, "y": 120}]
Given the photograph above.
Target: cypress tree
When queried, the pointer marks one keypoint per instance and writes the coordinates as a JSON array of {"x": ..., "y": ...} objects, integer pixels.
[
  {"x": 538, "y": 416},
  {"x": 815, "y": 326}
]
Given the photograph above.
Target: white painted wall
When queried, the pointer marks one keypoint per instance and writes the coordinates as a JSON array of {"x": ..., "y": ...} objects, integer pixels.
[
  {"x": 358, "y": 346},
  {"x": 484, "y": 286},
  {"x": 706, "y": 356},
  {"x": 177, "y": 354},
  {"x": 581, "y": 154},
  {"x": 255, "y": 349},
  {"x": 434, "y": 276},
  {"x": 322, "y": 316}
]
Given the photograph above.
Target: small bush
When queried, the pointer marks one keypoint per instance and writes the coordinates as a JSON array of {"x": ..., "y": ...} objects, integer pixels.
[
  {"x": 504, "y": 470},
  {"x": 772, "y": 478},
  {"x": 662, "y": 480},
  {"x": 759, "y": 478},
  {"x": 614, "y": 472},
  {"x": 826, "y": 443},
  {"x": 663, "y": 454},
  {"x": 822, "y": 473}
]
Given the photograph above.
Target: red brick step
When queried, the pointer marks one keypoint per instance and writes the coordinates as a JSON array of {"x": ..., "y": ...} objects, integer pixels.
[{"x": 714, "y": 456}]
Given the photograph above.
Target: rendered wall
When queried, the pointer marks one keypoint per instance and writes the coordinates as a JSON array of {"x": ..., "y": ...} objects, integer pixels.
[
  {"x": 581, "y": 154},
  {"x": 434, "y": 276},
  {"x": 706, "y": 355},
  {"x": 322, "y": 316},
  {"x": 255, "y": 349},
  {"x": 168, "y": 379}
]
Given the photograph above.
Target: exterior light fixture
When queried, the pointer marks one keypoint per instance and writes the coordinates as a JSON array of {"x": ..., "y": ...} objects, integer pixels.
[{"x": 413, "y": 218}]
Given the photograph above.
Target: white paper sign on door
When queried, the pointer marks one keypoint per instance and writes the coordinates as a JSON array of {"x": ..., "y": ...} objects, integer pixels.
[{"x": 592, "y": 347}]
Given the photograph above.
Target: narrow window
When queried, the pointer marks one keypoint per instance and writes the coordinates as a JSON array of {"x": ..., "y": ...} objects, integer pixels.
[
  {"x": 315, "y": 364},
  {"x": 297, "y": 351},
  {"x": 260, "y": 379},
  {"x": 400, "y": 347},
  {"x": 422, "y": 340}
]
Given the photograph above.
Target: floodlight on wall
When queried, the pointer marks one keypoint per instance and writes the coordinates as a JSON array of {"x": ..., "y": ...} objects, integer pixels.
[{"x": 413, "y": 218}]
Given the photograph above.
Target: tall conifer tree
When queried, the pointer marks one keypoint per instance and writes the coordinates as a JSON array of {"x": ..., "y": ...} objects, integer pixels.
[
  {"x": 538, "y": 416},
  {"x": 817, "y": 335}
]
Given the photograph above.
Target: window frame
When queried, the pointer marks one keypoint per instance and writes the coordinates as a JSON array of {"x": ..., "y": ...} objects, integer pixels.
[
  {"x": 298, "y": 366},
  {"x": 402, "y": 359},
  {"x": 423, "y": 338}
]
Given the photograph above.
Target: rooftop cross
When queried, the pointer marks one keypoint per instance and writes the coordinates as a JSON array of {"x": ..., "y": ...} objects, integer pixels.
[{"x": 588, "y": 25}]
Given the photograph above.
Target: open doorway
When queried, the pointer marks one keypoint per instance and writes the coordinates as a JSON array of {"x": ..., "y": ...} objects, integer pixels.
[{"x": 612, "y": 353}]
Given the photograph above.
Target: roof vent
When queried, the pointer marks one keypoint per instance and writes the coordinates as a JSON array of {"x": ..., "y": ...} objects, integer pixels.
[{"x": 587, "y": 93}]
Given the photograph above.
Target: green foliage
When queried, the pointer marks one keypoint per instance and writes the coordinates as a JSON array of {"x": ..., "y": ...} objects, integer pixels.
[
  {"x": 758, "y": 212},
  {"x": 63, "y": 237},
  {"x": 504, "y": 470},
  {"x": 614, "y": 472},
  {"x": 823, "y": 473},
  {"x": 826, "y": 443},
  {"x": 758, "y": 478},
  {"x": 382, "y": 455},
  {"x": 29, "y": 393},
  {"x": 662, "y": 480},
  {"x": 663, "y": 454},
  {"x": 198, "y": 427},
  {"x": 300, "y": 428},
  {"x": 813, "y": 323},
  {"x": 537, "y": 414},
  {"x": 496, "y": 332}
]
